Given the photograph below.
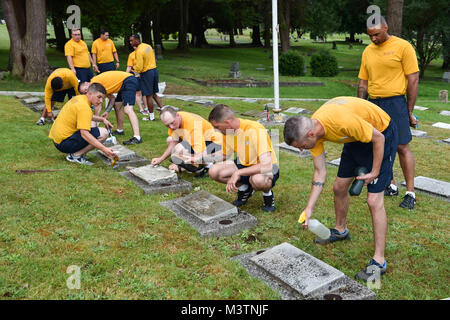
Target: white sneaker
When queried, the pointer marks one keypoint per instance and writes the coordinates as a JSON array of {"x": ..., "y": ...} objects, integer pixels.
[
  {"x": 79, "y": 160},
  {"x": 40, "y": 122}
]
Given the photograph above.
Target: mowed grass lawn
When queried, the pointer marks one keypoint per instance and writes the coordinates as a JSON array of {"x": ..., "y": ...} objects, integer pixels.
[{"x": 130, "y": 247}]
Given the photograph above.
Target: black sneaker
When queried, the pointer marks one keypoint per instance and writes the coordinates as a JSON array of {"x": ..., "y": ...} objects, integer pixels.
[
  {"x": 389, "y": 192},
  {"x": 202, "y": 173},
  {"x": 118, "y": 133},
  {"x": 334, "y": 236},
  {"x": 370, "y": 270},
  {"x": 133, "y": 140},
  {"x": 408, "y": 202},
  {"x": 243, "y": 196},
  {"x": 269, "y": 203}
]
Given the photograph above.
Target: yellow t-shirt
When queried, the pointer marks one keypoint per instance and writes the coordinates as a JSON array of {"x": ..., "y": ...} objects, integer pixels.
[
  {"x": 195, "y": 130},
  {"x": 69, "y": 81},
  {"x": 249, "y": 142},
  {"x": 385, "y": 66},
  {"x": 131, "y": 59},
  {"x": 74, "y": 116},
  {"x": 145, "y": 58},
  {"x": 348, "y": 119},
  {"x": 111, "y": 80},
  {"x": 79, "y": 52},
  {"x": 104, "y": 50}
]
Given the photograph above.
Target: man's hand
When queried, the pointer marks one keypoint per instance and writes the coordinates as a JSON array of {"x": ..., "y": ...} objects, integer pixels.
[
  {"x": 197, "y": 158},
  {"x": 73, "y": 70},
  {"x": 105, "y": 115},
  {"x": 50, "y": 115},
  {"x": 413, "y": 121},
  {"x": 117, "y": 65},
  {"x": 156, "y": 161},
  {"x": 109, "y": 153},
  {"x": 96, "y": 68},
  {"x": 231, "y": 183},
  {"x": 368, "y": 178},
  {"x": 108, "y": 124},
  {"x": 308, "y": 215}
]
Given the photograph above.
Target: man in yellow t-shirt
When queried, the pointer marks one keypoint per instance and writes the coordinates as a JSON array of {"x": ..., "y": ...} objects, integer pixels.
[
  {"x": 125, "y": 85},
  {"x": 256, "y": 165},
  {"x": 60, "y": 83},
  {"x": 370, "y": 140},
  {"x": 72, "y": 133},
  {"x": 193, "y": 144},
  {"x": 104, "y": 52},
  {"x": 78, "y": 57},
  {"x": 145, "y": 69},
  {"x": 388, "y": 71},
  {"x": 142, "y": 103}
]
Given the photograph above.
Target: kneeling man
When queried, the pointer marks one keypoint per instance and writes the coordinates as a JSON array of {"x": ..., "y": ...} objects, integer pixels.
[
  {"x": 192, "y": 142},
  {"x": 370, "y": 141},
  {"x": 256, "y": 165},
  {"x": 72, "y": 133}
]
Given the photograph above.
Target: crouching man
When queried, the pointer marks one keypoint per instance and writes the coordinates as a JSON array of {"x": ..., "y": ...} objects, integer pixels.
[{"x": 72, "y": 133}]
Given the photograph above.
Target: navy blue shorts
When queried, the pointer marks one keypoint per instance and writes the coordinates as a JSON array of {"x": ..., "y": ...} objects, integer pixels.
[
  {"x": 108, "y": 66},
  {"x": 397, "y": 108},
  {"x": 127, "y": 93},
  {"x": 149, "y": 82},
  {"x": 246, "y": 179},
  {"x": 359, "y": 154},
  {"x": 59, "y": 96},
  {"x": 75, "y": 142},
  {"x": 211, "y": 147},
  {"x": 84, "y": 74}
]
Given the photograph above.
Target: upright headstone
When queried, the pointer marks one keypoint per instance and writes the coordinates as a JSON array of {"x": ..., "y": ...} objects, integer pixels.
[
  {"x": 234, "y": 71},
  {"x": 443, "y": 96},
  {"x": 446, "y": 77},
  {"x": 158, "y": 52}
]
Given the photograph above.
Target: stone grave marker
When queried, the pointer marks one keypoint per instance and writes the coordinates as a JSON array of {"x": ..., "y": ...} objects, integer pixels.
[
  {"x": 126, "y": 156},
  {"x": 298, "y": 275},
  {"x": 253, "y": 113},
  {"x": 31, "y": 100},
  {"x": 234, "y": 71},
  {"x": 158, "y": 52},
  {"x": 22, "y": 96},
  {"x": 443, "y": 96},
  {"x": 446, "y": 76},
  {"x": 442, "y": 125},
  {"x": 418, "y": 133},
  {"x": 434, "y": 187},
  {"x": 210, "y": 215},
  {"x": 285, "y": 147},
  {"x": 420, "y": 108},
  {"x": 205, "y": 102},
  {"x": 445, "y": 113},
  {"x": 295, "y": 110},
  {"x": 250, "y": 100},
  {"x": 156, "y": 179}
]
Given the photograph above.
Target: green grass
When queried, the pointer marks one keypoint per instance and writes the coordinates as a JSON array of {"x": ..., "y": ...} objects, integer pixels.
[{"x": 130, "y": 247}]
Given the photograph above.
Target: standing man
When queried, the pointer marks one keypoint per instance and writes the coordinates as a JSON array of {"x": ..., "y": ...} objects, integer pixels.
[
  {"x": 104, "y": 52},
  {"x": 145, "y": 69},
  {"x": 142, "y": 103},
  {"x": 79, "y": 58},
  {"x": 388, "y": 71},
  {"x": 60, "y": 83},
  {"x": 125, "y": 85},
  {"x": 256, "y": 166},
  {"x": 192, "y": 140},
  {"x": 72, "y": 133},
  {"x": 370, "y": 141}
]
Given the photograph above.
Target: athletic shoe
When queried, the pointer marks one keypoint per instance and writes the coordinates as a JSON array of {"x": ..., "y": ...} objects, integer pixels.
[
  {"x": 408, "y": 202},
  {"x": 243, "y": 196},
  {"x": 334, "y": 236},
  {"x": 390, "y": 192},
  {"x": 370, "y": 270},
  {"x": 148, "y": 119},
  {"x": 203, "y": 172},
  {"x": 40, "y": 122},
  {"x": 269, "y": 203},
  {"x": 118, "y": 133},
  {"x": 79, "y": 159},
  {"x": 145, "y": 113},
  {"x": 133, "y": 140}
]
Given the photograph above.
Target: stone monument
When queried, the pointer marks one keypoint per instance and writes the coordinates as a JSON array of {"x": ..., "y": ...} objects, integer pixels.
[
  {"x": 126, "y": 157},
  {"x": 234, "y": 71},
  {"x": 443, "y": 96}
]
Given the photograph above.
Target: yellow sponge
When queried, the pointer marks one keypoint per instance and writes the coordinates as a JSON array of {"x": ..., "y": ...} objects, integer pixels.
[{"x": 302, "y": 217}]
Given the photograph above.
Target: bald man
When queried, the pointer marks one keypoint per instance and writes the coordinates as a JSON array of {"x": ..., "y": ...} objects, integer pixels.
[{"x": 389, "y": 70}]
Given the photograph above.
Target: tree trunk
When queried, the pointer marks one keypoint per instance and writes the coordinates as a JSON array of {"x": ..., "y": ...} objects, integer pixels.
[
  {"x": 394, "y": 14},
  {"x": 352, "y": 37},
  {"x": 285, "y": 24},
  {"x": 256, "y": 36},
  {"x": 157, "y": 29},
  {"x": 60, "y": 33},
  {"x": 26, "y": 23},
  {"x": 182, "y": 35},
  {"x": 232, "y": 42},
  {"x": 267, "y": 23},
  {"x": 198, "y": 32}
]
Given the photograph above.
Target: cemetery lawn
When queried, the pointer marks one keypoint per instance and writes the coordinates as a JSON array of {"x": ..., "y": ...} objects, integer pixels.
[{"x": 130, "y": 247}]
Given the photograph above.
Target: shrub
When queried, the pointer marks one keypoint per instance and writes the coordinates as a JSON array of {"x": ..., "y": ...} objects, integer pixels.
[
  {"x": 291, "y": 63},
  {"x": 323, "y": 64}
]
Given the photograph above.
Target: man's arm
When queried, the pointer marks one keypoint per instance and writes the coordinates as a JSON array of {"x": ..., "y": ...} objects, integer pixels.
[
  {"x": 93, "y": 62},
  {"x": 70, "y": 63},
  {"x": 411, "y": 92},
  {"x": 363, "y": 87},
  {"x": 116, "y": 56},
  {"x": 378, "y": 152},
  {"x": 166, "y": 153},
  {"x": 319, "y": 178}
]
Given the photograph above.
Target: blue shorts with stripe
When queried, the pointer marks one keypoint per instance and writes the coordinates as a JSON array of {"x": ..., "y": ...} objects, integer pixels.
[
  {"x": 59, "y": 96},
  {"x": 75, "y": 142},
  {"x": 149, "y": 82},
  {"x": 84, "y": 74},
  {"x": 108, "y": 66},
  {"x": 127, "y": 93}
]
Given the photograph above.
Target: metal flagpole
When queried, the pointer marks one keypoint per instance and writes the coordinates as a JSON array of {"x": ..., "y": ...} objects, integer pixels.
[{"x": 275, "y": 53}]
